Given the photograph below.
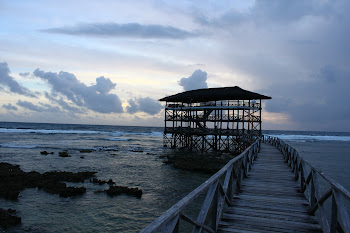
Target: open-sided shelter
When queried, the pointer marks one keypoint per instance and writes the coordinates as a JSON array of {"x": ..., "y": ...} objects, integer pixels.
[{"x": 219, "y": 119}]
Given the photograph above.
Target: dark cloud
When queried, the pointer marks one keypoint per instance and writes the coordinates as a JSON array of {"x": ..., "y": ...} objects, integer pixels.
[
  {"x": 328, "y": 73},
  {"x": 38, "y": 108},
  {"x": 267, "y": 12},
  {"x": 25, "y": 74},
  {"x": 96, "y": 97},
  {"x": 197, "y": 80},
  {"x": 285, "y": 10},
  {"x": 133, "y": 30},
  {"x": 133, "y": 107},
  {"x": 147, "y": 105},
  {"x": 10, "y": 107},
  {"x": 294, "y": 51},
  {"x": 319, "y": 103},
  {"x": 30, "y": 106},
  {"x": 9, "y": 82},
  {"x": 63, "y": 103}
]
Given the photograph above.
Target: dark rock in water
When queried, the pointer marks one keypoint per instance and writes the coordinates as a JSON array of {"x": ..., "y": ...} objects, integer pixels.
[
  {"x": 68, "y": 176},
  {"x": 117, "y": 190},
  {"x": 72, "y": 191},
  {"x": 7, "y": 218},
  {"x": 197, "y": 162},
  {"x": 63, "y": 154},
  {"x": 46, "y": 153},
  {"x": 85, "y": 151},
  {"x": 13, "y": 180},
  {"x": 82, "y": 157},
  {"x": 100, "y": 182},
  {"x": 97, "y": 181},
  {"x": 111, "y": 150},
  {"x": 110, "y": 182},
  {"x": 139, "y": 151}
]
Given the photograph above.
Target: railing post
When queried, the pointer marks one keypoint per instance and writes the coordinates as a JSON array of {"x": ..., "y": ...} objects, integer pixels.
[{"x": 334, "y": 215}]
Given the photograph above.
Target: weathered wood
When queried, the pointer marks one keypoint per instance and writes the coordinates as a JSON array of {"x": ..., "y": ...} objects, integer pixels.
[
  {"x": 172, "y": 227},
  {"x": 269, "y": 200},
  {"x": 339, "y": 220},
  {"x": 342, "y": 211},
  {"x": 212, "y": 197}
]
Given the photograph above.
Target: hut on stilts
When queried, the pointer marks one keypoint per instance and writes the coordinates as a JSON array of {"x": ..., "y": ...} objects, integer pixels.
[{"x": 213, "y": 119}]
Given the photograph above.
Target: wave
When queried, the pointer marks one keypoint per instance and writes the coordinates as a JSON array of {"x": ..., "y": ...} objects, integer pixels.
[
  {"x": 304, "y": 138},
  {"x": 58, "y": 131},
  {"x": 118, "y": 139},
  {"x": 122, "y": 133},
  {"x": 49, "y": 131},
  {"x": 14, "y": 145}
]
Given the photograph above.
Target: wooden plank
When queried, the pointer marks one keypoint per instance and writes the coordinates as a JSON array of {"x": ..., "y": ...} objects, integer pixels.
[
  {"x": 270, "y": 225},
  {"x": 269, "y": 200}
]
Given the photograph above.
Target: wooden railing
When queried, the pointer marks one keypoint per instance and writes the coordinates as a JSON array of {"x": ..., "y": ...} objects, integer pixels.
[
  {"x": 328, "y": 200},
  {"x": 218, "y": 191}
]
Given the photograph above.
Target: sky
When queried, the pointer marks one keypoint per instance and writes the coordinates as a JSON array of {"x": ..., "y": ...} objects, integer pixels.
[{"x": 110, "y": 61}]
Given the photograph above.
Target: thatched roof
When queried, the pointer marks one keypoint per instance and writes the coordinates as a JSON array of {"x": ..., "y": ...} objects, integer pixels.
[{"x": 214, "y": 94}]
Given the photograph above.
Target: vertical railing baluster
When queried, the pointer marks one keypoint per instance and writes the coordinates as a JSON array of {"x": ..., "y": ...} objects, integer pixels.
[
  {"x": 334, "y": 215},
  {"x": 343, "y": 211}
]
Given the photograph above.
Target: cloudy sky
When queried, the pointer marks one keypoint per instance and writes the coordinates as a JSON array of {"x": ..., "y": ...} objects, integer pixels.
[{"x": 108, "y": 62}]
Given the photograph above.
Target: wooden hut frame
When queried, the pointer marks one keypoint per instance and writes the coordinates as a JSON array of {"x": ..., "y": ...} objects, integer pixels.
[{"x": 219, "y": 119}]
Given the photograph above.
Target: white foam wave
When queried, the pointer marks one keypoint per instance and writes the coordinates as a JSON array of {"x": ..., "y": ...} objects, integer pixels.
[
  {"x": 303, "y": 138},
  {"x": 121, "y": 133},
  {"x": 49, "y": 131},
  {"x": 14, "y": 145}
]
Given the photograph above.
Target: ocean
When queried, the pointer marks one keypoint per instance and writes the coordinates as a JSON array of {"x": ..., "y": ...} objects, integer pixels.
[{"x": 131, "y": 156}]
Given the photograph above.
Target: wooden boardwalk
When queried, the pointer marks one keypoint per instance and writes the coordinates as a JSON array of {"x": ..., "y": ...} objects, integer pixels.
[{"x": 269, "y": 200}]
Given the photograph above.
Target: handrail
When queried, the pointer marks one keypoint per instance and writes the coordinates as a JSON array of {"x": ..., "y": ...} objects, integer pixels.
[
  {"x": 329, "y": 206},
  {"x": 219, "y": 190}
]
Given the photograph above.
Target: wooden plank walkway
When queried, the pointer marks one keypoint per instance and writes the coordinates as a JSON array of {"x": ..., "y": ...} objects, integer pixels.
[{"x": 269, "y": 200}]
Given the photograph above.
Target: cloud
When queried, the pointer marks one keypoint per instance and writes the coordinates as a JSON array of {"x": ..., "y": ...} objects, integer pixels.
[
  {"x": 30, "y": 106},
  {"x": 63, "y": 103},
  {"x": 293, "y": 51},
  {"x": 147, "y": 105},
  {"x": 26, "y": 74},
  {"x": 269, "y": 12},
  {"x": 96, "y": 97},
  {"x": 38, "y": 108},
  {"x": 9, "y": 82},
  {"x": 197, "y": 80},
  {"x": 133, "y": 30},
  {"x": 10, "y": 107}
]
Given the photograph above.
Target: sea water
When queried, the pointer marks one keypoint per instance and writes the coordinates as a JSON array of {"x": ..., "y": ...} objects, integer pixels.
[{"x": 131, "y": 156}]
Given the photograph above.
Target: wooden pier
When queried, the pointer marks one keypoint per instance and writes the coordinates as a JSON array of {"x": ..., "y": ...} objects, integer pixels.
[
  {"x": 268, "y": 200},
  {"x": 281, "y": 193}
]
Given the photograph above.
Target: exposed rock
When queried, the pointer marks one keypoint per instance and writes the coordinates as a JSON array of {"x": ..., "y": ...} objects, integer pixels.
[
  {"x": 46, "y": 153},
  {"x": 100, "y": 182},
  {"x": 117, "y": 190},
  {"x": 82, "y": 157},
  {"x": 13, "y": 180},
  {"x": 111, "y": 149},
  {"x": 72, "y": 191},
  {"x": 197, "y": 162},
  {"x": 8, "y": 219},
  {"x": 139, "y": 151},
  {"x": 63, "y": 154},
  {"x": 85, "y": 151}
]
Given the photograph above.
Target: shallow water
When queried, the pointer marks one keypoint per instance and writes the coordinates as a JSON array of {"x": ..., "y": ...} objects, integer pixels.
[{"x": 113, "y": 158}]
